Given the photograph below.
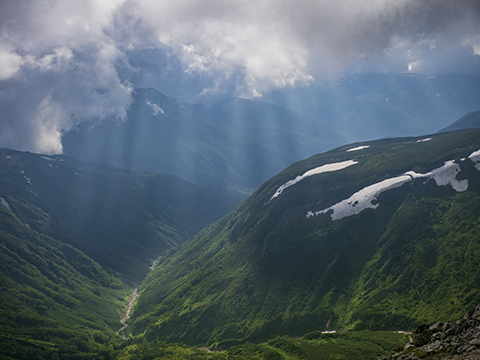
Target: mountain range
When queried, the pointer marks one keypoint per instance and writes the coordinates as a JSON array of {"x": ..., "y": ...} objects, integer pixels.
[
  {"x": 235, "y": 143},
  {"x": 373, "y": 106},
  {"x": 367, "y": 238},
  {"x": 241, "y": 143}
]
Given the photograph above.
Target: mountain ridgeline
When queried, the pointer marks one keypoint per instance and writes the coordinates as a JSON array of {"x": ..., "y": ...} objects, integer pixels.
[
  {"x": 235, "y": 143},
  {"x": 382, "y": 235},
  {"x": 469, "y": 121},
  {"x": 373, "y": 106}
]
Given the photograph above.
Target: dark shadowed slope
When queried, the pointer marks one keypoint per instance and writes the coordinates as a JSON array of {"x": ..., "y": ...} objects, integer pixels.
[
  {"x": 469, "y": 121},
  {"x": 122, "y": 219}
]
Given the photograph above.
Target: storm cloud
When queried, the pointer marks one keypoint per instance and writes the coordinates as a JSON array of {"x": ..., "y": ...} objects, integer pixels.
[{"x": 63, "y": 62}]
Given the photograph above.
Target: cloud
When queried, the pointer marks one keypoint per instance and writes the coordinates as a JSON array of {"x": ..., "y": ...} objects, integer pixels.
[
  {"x": 10, "y": 62},
  {"x": 277, "y": 43},
  {"x": 77, "y": 60},
  {"x": 58, "y": 67}
]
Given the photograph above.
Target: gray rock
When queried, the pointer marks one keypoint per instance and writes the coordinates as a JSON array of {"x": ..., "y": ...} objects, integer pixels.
[
  {"x": 446, "y": 325},
  {"x": 437, "y": 340},
  {"x": 436, "y": 327}
]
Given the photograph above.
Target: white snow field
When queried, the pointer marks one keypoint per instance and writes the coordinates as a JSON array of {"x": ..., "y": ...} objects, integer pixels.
[
  {"x": 367, "y": 198},
  {"x": 359, "y": 148},
  {"x": 315, "y": 171},
  {"x": 475, "y": 157},
  {"x": 362, "y": 199}
]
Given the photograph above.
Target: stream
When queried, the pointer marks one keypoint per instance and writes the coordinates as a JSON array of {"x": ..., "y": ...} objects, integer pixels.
[{"x": 121, "y": 331}]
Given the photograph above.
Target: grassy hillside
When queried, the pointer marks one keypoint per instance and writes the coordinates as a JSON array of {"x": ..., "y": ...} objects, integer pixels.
[
  {"x": 267, "y": 269},
  {"x": 361, "y": 345},
  {"x": 55, "y": 300}
]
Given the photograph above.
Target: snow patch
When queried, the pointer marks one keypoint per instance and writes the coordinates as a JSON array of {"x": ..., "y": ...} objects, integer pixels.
[
  {"x": 423, "y": 140},
  {"x": 363, "y": 199},
  {"x": 47, "y": 158},
  {"x": 8, "y": 157},
  {"x": 155, "y": 108},
  {"x": 359, "y": 148},
  {"x": 5, "y": 203},
  {"x": 367, "y": 198},
  {"x": 445, "y": 175},
  {"x": 475, "y": 157},
  {"x": 315, "y": 171},
  {"x": 28, "y": 179}
]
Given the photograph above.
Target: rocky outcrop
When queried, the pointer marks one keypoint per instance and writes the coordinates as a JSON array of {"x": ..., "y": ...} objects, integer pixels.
[{"x": 444, "y": 340}]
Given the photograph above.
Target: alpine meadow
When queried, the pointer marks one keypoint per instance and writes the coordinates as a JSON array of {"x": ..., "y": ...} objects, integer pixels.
[{"x": 239, "y": 180}]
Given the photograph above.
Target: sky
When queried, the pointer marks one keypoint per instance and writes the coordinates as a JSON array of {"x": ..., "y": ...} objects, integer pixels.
[{"x": 67, "y": 61}]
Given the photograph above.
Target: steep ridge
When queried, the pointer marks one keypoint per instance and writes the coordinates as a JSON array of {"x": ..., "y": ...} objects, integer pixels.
[
  {"x": 121, "y": 219},
  {"x": 233, "y": 143},
  {"x": 377, "y": 235}
]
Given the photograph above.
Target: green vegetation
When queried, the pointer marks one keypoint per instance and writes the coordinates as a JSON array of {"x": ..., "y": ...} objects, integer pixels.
[
  {"x": 361, "y": 345},
  {"x": 265, "y": 270},
  {"x": 427, "y": 267},
  {"x": 55, "y": 300}
]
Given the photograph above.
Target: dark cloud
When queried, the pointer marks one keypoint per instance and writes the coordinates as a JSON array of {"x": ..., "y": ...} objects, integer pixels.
[{"x": 63, "y": 62}]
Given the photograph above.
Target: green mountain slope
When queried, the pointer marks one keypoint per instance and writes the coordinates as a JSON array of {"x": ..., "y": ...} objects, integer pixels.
[
  {"x": 379, "y": 237},
  {"x": 469, "y": 121},
  {"x": 54, "y": 299}
]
